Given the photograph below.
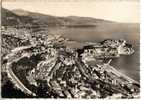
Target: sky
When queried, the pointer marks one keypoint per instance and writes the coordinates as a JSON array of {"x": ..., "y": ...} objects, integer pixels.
[{"x": 126, "y": 11}]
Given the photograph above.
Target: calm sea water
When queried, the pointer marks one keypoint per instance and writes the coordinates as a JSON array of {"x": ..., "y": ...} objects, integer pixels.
[{"x": 128, "y": 65}]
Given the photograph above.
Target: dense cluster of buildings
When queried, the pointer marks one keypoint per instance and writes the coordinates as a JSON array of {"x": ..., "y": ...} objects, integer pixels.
[{"x": 66, "y": 71}]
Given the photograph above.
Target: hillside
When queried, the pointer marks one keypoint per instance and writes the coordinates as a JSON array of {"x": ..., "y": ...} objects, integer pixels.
[
  {"x": 9, "y": 18},
  {"x": 19, "y": 16}
]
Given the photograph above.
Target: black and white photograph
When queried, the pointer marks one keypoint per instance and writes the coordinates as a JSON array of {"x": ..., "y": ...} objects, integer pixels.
[{"x": 71, "y": 49}]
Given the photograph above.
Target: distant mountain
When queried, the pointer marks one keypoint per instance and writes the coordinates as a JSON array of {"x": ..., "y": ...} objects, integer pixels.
[
  {"x": 42, "y": 19},
  {"x": 63, "y": 21},
  {"x": 19, "y": 16},
  {"x": 11, "y": 19}
]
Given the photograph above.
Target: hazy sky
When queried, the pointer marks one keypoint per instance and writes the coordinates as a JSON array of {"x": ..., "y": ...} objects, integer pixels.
[{"x": 117, "y": 11}]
